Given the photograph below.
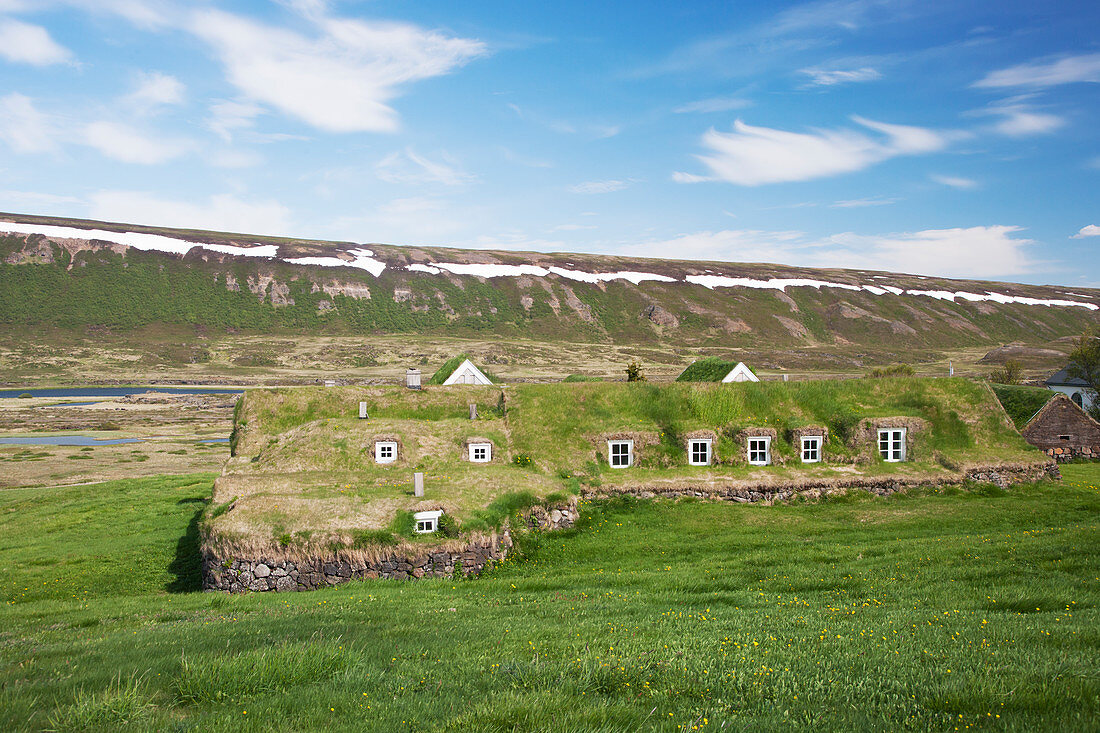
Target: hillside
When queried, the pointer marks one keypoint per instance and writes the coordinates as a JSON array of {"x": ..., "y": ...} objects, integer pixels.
[{"x": 75, "y": 275}]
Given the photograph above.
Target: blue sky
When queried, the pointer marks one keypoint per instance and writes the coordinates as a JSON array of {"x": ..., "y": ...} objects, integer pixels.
[{"x": 948, "y": 138}]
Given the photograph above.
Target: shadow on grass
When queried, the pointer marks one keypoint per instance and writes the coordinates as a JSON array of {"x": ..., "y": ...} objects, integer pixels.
[{"x": 187, "y": 565}]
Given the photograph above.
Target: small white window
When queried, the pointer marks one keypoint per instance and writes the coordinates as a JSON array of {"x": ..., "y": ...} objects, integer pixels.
[
  {"x": 811, "y": 448},
  {"x": 891, "y": 444},
  {"x": 385, "y": 451},
  {"x": 481, "y": 452},
  {"x": 699, "y": 452},
  {"x": 427, "y": 521},
  {"x": 620, "y": 453},
  {"x": 760, "y": 453}
]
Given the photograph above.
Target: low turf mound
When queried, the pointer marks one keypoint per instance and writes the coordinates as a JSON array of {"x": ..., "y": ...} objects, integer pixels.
[{"x": 306, "y": 474}]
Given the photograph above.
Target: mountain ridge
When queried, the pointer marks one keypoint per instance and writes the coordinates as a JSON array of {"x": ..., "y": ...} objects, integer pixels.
[{"x": 241, "y": 281}]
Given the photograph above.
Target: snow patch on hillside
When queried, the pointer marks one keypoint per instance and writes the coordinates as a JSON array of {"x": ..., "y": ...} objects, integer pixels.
[
  {"x": 258, "y": 250},
  {"x": 775, "y": 283},
  {"x": 493, "y": 270},
  {"x": 496, "y": 270},
  {"x": 364, "y": 260},
  {"x": 137, "y": 240},
  {"x": 998, "y": 298},
  {"x": 596, "y": 277}
]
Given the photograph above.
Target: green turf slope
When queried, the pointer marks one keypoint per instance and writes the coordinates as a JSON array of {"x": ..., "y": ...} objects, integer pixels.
[{"x": 976, "y": 610}]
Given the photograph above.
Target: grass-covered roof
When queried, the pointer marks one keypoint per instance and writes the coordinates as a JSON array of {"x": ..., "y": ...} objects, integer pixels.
[
  {"x": 449, "y": 367},
  {"x": 303, "y": 462},
  {"x": 709, "y": 369}
]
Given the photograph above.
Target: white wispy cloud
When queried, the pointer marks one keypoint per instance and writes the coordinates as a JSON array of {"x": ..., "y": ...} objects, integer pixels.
[
  {"x": 751, "y": 156},
  {"x": 153, "y": 90},
  {"x": 127, "y": 144},
  {"x": 974, "y": 252},
  {"x": 225, "y": 212},
  {"x": 340, "y": 79},
  {"x": 863, "y": 203},
  {"x": 713, "y": 104},
  {"x": 407, "y": 166},
  {"x": 24, "y": 128},
  {"x": 228, "y": 116},
  {"x": 832, "y": 77},
  {"x": 978, "y": 252},
  {"x": 1020, "y": 118},
  {"x": 30, "y": 44},
  {"x": 954, "y": 181},
  {"x": 1045, "y": 73},
  {"x": 591, "y": 187},
  {"x": 1087, "y": 231}
]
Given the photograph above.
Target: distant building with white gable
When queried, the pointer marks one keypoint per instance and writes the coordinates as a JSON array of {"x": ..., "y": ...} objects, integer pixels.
[
  {"x": 460, "y": 370},
  {"x": 713, "y": 369},
  {"x": 740, "y": 373},
  {"x": 1075, "y": 388}
]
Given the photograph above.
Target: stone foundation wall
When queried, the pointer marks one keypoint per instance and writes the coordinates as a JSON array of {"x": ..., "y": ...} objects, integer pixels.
[
  {"x": 1003, "y": 476},
  {"x": 272, "y": 574},
  {"x": 1068, "y": 454}
]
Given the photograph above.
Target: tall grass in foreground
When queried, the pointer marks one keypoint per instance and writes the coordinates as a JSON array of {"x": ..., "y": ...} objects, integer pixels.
[
  {"x": 933, "y": 610},
  {"x": 215, "y": 678}
]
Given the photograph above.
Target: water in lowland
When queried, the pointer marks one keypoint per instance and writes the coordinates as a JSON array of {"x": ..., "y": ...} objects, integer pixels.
[
  {"x": 84, "y": 440},
  {"x": 65, "y": 392}
]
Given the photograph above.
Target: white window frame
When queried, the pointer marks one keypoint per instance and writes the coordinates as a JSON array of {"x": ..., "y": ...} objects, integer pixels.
[
  {"x": 749, "y": 449},
  {"x": 611, "y": 456},
  {"x": 427, "y": 522},
  {"x": 891, "y": 444},
  {"x": 378, "y": 448},
  {"x": 708, "y": 451},
  {"x": 475, "y": 447},
  {"x": 814, "y": 443}
]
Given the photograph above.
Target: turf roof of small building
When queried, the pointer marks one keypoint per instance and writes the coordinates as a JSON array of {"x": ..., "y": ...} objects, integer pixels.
[
  {"x": 709, "y": 369},
  {"x": 441, "y": 375}
]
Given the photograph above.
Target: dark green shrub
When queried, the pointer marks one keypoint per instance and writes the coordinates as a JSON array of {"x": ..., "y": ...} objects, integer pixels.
[
  {"x": 448, "y": 526},
  {"x": 894, "y": 370},
  {"x": 373, "y": 538}
]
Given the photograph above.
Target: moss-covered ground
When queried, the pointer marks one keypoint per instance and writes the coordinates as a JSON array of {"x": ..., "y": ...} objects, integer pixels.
[{"x": 973, "y": 610}]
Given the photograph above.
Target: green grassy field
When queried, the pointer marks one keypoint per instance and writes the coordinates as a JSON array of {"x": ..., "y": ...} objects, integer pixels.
[{"x": 928, "y": 611}]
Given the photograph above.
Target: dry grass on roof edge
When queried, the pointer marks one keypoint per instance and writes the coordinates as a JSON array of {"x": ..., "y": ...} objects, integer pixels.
[{"x": 238, "y": 548}]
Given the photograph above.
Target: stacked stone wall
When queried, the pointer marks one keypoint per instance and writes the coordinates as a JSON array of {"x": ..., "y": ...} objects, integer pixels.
[
  {"x": 238, "y": 575},
  {"x": 1000, "y": 475}
]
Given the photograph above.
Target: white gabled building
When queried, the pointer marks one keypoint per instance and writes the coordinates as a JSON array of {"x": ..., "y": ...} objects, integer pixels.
[
  {"x": 467, "y": 373},
  {"x": 1075, "y": 388},
  {"x": 740, "y": 373}
]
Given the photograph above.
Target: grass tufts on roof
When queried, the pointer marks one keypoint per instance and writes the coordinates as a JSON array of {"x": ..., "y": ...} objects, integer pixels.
[{"x": 710, "y": 369}]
